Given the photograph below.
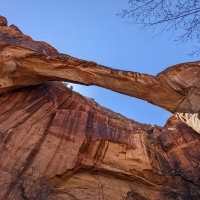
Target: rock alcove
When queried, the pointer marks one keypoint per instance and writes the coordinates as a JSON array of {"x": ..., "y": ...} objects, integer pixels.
[{"x": 57, "y": 144}]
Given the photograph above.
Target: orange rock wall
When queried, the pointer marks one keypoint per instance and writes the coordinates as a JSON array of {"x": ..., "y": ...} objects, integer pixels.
[{"x": 56, "y": 144}]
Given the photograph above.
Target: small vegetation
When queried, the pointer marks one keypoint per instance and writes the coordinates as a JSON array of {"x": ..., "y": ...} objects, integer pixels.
[{"x": 68, "y": 85}]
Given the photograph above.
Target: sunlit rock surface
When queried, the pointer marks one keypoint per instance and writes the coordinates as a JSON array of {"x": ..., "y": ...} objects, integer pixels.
[
  {"x": 56, "y": 144},
  {"x": 26, "y": 62}
]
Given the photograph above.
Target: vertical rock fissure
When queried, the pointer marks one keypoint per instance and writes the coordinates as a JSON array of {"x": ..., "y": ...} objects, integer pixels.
[{"x": 30, "y": 158}]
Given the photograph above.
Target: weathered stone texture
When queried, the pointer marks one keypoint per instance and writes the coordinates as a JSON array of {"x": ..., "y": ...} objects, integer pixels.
[
  {"x": 26, "y": 62},
  {"x": 3, "y": 21},
  {"x": 56, "y": 144}
]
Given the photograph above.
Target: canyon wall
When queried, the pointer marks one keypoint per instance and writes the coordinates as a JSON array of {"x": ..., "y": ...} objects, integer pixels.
[{"x": 57, "y": 144}]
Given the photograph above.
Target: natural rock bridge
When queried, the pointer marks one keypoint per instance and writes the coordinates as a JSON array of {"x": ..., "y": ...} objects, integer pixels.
[{"x": 57, "y": 144}]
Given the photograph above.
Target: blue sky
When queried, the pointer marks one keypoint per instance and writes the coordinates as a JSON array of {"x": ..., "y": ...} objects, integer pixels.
[{"x": 91, "y": 30}]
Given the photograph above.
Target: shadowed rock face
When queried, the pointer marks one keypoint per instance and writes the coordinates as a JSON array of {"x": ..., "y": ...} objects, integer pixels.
[{"x": 57, "y": 144}]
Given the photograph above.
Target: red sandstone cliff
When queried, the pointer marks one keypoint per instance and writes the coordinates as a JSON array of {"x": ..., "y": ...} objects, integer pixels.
[{"x": 57, "y": 144}]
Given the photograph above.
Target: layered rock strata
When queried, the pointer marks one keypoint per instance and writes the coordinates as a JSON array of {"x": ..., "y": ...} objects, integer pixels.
[
  {"x": 56, "y": 144},
  {"x": 27, "y": 62}
]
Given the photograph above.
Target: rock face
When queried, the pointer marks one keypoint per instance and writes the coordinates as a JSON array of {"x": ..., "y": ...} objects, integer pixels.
[
  {"x": 56, "y": 144},
  {"x": 26, "y": 62}
]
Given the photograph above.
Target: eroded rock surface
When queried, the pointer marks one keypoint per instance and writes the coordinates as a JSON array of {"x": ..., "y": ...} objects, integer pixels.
[
  {"x": 56, "y": 144},
  {"x": 27, "y": 62}
]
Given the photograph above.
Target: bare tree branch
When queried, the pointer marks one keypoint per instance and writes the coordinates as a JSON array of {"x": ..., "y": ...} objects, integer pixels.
[{"x": 182, "y": 15}]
